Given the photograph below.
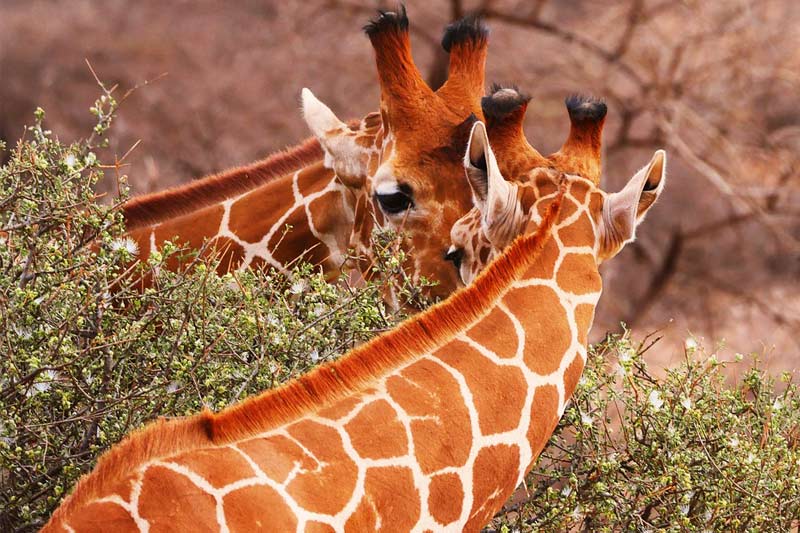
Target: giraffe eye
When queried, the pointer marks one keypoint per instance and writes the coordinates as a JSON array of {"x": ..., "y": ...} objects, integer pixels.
[
  {"x": 456, "y": 255},
  {"x": 397, "y": 201}
]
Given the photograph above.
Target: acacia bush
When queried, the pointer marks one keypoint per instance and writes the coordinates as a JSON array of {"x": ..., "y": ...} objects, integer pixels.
[
  {"x": 687, "y": 452},
  {"x": 85, "y": 358}
]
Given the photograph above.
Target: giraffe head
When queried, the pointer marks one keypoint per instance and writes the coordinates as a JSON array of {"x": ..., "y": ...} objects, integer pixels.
[
  {"x": 474, "y": 242},
  {"x": 416, "y": 182},
  {"x": 592, "y": 219}
]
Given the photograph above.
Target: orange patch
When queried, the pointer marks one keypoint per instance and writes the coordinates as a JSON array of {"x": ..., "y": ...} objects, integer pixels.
[
  {"x": 366, "y": 142},
  {"x": 390, "y": 498},
  {"x": 545, "y": 185},
  {"x": 327, "y": 488},
  {"x": 544, "y": 411},
  {"x": 496, "y": 332},
  {"x": 445, "y": 498},
  {"x": 192, "y": 229},
  {"x": 376, "y": 433},
  {"x": 572, "y": 375},
  {"x": 364, "y": 518},
  {"x": 547, "y": 333},
  {"x": 545, "y": 265},
  {"x": 276, "y": 456},
  {"x": 372, "y": 165},
  {"x": 584, "y": 315},
  {"x": 327, "y": 214},
  {"x": 340, "y": 408},
  {"x": 568, "y": 208},
  {"x": 253, "y": 215},
  {"x": 578, "y": 190},
  {"x": 257, "y": 508},
  {"x": 442, "y": 439},
  {"x": 102, "y": 517},
  {"x": 313, "y": 179},
  {"x": 578, "y": 274},
  {"x": 123, "y": 489},
  {"x": 579, "y": 233},
  {"x": 318, "y": 527},
  {"x": 493, "y": 479},
  {"x": 218, "y": 466},
  {"x": 596, "y": 202},
  {"x": 287, "y": 245},
  {"x": 498, "y": 392},
  {"x": 170, "y": 502}
]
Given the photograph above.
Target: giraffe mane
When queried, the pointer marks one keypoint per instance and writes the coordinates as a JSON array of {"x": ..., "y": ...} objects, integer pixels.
[
  {"x": 324, "y": 385},
  {"x": 158, "y": 206}
]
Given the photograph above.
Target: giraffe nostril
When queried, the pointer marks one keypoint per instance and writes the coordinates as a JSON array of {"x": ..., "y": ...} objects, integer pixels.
[{"x": 456, "y": 255}]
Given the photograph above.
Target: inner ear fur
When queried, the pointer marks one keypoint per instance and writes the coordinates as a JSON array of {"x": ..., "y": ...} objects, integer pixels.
[
  {"x": 490, "y": 190},
  {"x": 625, "y": 209}
]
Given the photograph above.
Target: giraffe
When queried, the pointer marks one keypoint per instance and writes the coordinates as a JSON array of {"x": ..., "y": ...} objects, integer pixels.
[
  {"x": 323, "y": 189},
  {"x": 477, "y": 239},
  {"x": 244, "y": 215},
  {"x": 429, "y": 427},
  {"x": 425, "y": 136}
]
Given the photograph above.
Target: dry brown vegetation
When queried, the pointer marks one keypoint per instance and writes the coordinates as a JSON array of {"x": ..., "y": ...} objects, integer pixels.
[{"x": 715, "y": 83}]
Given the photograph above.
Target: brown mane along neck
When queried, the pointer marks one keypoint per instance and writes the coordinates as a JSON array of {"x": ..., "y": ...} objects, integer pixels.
[
  {"x": 328, "y": 383},
  {"x": 152, "y": 208}
]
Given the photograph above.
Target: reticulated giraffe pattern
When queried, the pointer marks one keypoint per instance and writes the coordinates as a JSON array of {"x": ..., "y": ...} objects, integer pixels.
[
  {"x": 431, "y": 445},
  {"x": 309, "y": 213},
  {"x": 428, "y": 427}
]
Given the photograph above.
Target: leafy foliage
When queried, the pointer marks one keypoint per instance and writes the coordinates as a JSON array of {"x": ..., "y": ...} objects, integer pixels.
[{"x": 688, "y": 452}]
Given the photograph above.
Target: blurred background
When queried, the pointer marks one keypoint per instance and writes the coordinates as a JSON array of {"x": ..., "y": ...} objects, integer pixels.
[{"x": 715, "y": 83}]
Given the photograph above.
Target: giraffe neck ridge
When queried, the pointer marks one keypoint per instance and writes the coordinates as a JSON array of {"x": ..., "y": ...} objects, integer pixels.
[{"x": 159, "y": 206}]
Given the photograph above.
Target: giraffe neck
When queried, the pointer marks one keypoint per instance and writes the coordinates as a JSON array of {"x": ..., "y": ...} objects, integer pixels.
[
  {"x": 306, "y": 214},
  {"x": 428, "y": 427},
  {"x": 157, "y": 207}
]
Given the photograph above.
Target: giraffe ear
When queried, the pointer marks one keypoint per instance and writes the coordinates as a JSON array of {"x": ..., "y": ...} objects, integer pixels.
[
  {"x": 342, "y": 153},
  {"x": 490, "y": 191},
  {"x": 624, "y": 210}
]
